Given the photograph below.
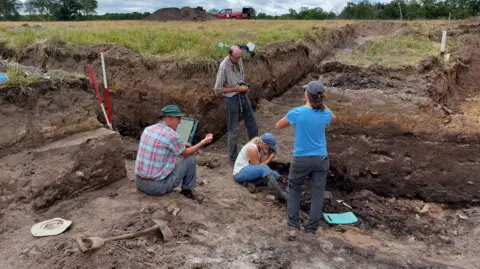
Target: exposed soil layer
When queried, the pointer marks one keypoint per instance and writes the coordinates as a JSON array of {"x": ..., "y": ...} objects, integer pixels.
[
  {"x": 52, "y": 109},
  {"x": 39, "y": 167},
  {"x": 61, "y": 170},
  {"x": 181, "y": 14},
  {"x": 402, "y": 218}
]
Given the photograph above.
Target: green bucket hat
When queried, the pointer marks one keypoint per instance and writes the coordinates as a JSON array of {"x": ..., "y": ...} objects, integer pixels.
[{"x": 171, "y": 111}]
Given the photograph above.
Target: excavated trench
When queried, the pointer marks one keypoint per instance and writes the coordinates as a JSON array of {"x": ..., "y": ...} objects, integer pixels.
[
  {"x": 405, "y": 150},
  {"x": 407, "y": 141},
  {"x": 392, "y": 138},
  {"x": 401, "y": 218},
  {"x": 140, "y": 85}
]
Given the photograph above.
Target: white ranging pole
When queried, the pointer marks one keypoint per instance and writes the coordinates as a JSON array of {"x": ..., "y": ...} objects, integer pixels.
[
  {"x": 444, "y": 42},
  {"x": 107, "y": 97}
]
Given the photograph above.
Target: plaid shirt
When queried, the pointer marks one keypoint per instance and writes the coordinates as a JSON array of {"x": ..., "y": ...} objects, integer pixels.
[
  {"x": 228, "y": 76},
  {"x": 157, "y": 153}
]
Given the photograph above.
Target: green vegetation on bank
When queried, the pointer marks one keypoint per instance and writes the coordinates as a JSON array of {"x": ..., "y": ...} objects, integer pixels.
[
  {"x": 171, "y": 40},
  {"x": 17, "y": 77},
  {"x": 394, "y": 51}
]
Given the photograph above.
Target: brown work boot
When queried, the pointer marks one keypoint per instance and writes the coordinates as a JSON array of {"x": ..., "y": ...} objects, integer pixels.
[{"x": 190, "y": 195}]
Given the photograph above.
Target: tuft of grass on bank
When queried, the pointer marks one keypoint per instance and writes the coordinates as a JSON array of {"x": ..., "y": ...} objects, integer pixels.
[
  {"x": 394, "y": 51},
  {"x": 17, "y": 77},
  {"x": 170, "y": 40}
]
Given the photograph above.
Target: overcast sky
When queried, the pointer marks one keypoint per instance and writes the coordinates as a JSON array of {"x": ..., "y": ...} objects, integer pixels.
[{"x": 272, "y": 7}]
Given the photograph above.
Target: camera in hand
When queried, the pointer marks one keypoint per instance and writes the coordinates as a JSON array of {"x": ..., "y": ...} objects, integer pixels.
[{"x": 243, "y": 83}]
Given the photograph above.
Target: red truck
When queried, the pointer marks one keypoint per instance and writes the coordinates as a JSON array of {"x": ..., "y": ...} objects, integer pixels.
[{"x": 229, "y": 13}]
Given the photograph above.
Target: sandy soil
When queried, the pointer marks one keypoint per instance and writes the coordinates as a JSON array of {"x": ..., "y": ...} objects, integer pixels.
[{"x": 236, "y": 229}]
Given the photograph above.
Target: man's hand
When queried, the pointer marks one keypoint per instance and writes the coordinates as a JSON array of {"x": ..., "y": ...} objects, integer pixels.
[
  {"x": 272, "y": 156},
  {"x": 192, "y": 149},
  {"x": 243, "y": 89},
  {"x": 207, "y": 140},
  {"x": 188, "y": 144}
]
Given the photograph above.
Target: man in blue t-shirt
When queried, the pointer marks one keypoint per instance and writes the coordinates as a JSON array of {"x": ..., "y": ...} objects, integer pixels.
[{"x": 309, "y": 155}]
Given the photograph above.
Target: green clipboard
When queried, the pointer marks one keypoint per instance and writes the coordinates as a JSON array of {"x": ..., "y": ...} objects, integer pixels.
[
  {"x": 340, "y": 218},
  {"x": 186, "y": 129}
]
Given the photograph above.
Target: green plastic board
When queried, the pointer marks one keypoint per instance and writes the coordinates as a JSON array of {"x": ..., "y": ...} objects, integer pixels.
[
  {"x": 187, "y": 128},
  {"x": 341, "y": 218}
]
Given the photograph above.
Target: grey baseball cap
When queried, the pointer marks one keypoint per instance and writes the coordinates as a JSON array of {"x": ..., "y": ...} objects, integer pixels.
[{"x": 315, "y": 87}]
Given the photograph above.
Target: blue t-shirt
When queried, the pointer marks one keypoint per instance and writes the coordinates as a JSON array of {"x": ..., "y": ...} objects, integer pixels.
[{"x": 309, "y": 126}]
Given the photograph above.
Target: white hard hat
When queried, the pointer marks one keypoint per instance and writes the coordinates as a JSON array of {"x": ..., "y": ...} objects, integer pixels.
[{"x": 50, "y": 227}]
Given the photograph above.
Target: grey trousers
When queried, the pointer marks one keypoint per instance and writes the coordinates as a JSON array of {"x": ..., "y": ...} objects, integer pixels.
[
  {"x": 316, "y": 168},
  {"x": 185, "y": 173},
  {"x": 239, "y": 105}
]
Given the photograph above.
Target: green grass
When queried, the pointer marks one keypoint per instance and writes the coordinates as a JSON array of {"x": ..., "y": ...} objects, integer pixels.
[
  {"x": 394, "y": 51},
  {"x": 17, "y": 77},
  {"x": 172, "y": 40}
]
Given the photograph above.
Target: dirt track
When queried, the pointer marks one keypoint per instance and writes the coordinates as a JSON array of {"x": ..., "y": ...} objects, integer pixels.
[{"x": 388, "y": 161}]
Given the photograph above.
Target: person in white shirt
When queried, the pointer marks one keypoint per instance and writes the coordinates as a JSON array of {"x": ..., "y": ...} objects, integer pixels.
[{"x": 251, "y": 165}]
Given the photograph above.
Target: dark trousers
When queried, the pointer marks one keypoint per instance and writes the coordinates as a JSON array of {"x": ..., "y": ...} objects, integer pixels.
[
  {"x": 184, "y": 173},
  {"x": 239, "y": 105},
  {"x": 316, "y": 168}
]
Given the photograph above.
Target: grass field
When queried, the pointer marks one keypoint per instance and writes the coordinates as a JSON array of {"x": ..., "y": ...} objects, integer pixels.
[
  {"x": 199, "y": 40},
  {"x": 416, "y": 42},
  {"x": 172, "y": 40},
  {"x": 395, "y": 51}
]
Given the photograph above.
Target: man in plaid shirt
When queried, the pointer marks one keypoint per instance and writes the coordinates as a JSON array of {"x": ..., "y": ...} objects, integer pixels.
[
  {"x": 157, "y": 169},
  {"x": 231, "y": 85}
]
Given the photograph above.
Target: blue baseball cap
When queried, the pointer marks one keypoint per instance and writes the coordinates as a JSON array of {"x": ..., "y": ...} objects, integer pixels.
[
  {"x": 315, "y": 87},
  {"x": 270, "y": 140}
]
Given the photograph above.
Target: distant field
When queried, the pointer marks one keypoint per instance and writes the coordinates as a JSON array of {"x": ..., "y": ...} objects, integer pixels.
[
  {"x": 410, "y": 46},
  {"x": 173, "y": 40},
  {"x": 393, "y": 51}
]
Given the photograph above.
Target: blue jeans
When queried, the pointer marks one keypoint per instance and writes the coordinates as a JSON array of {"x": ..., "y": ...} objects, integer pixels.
[
  {"x": 236, "y": 105},
  {"x": 254, "y": 172}
]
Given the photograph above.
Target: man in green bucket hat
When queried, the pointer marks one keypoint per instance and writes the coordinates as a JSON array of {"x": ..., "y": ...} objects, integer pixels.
[{"x": 158, "y": 169}]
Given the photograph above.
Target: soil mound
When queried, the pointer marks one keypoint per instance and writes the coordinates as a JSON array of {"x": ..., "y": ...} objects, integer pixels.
[{"x": 181, "y": 14}]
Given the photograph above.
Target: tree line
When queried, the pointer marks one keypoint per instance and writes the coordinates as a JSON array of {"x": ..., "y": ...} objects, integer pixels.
[
  {"x": 412, "y": 9},
  {"x": 59, "y": 10},
  {"x": 67, "y": 10},
  {"x": 45, "y": 10},
  {"x": 394, "y": 10}
]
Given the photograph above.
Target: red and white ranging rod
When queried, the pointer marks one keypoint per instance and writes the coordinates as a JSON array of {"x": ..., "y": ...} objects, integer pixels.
[{"x": 99, "y": 96}]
